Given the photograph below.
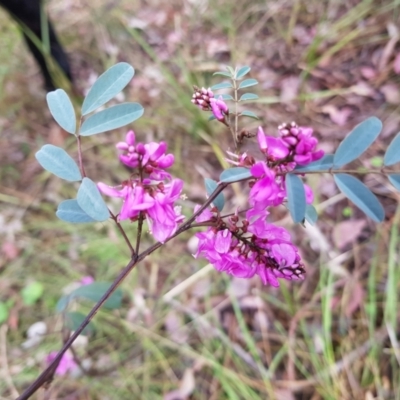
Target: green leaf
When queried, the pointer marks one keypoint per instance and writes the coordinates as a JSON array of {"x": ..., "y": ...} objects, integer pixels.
[
  {"x": 360, "y": 195},
  {"x": 223, "y": 73},
  {"x": 248, "y": 114},
  {"x": 32, "y": 293},
  {"x": 57, "y": 161},
  {"x": 247, "y": 83},
  {"x": 3, "y": 312},
  {"x": 235, "y": 174},
  {"x": 296, "y": 197},
  {"x": 62, "y": 304},
  {"x": 395, "y": 180},
  {"x": 392, "y": 155},
  {"x": 376, "y": 161},
  {"x": 311, "y": 214},
  {"x": 73, "y": 321},
  {"x": 111, "y": 118},
  {"x": 225, "y": 97},
  {"x": 211, "y": 185},
  {"x": 62, "y": 110},
  {"x": 69, "y": 211},
  {"x": 211, "y": 117},
  {"x": 107, "y": 86},
  {"x": 93, "y": 292},
  {"x": 223, "y": 85},
  {"x": 90, "y": 201},
  {"x": 347, "y": 212},
  {"x": 248, "y": 96},
  {"x": 323, "y": 164},
  {"x": 357, "y": 141},
  {"x": 231, "y": 70},
  {"x": 242, "y": 72}
]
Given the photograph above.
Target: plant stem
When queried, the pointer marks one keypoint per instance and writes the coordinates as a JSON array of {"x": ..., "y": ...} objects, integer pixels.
[
  {"x": 81, "y": 167},
  {"x": 381, "y": 171},
  {"x": 235, "y": 90},
  {"x": 121, "y": 229},
  {"x": 139, "y": 232}
]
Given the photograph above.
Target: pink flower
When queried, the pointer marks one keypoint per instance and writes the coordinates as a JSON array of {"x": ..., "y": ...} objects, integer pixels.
[
  {"x": 156, "y": 202},
  {"x": 206, "y": 215},
  {"x": 269, "y": 253},
  {"x": 87, "y": 280},
  {"x": 301, "y": 143},
  {"x": 163, "y": 218},
  {"x": 219, "y": 108},
  {"x": 134, "y": 199},
  {"x": 276, "y": 240},
  {"x": 309, "y": 194},
  {"x": 202, "y": 97},
  {"x": 266, "y": 191},
  {"x": 274, "y": 148},
  {"x": 66, "y": 364},
  {"x": 150, "y": 156},
  {"x": 219, "y": 249}
]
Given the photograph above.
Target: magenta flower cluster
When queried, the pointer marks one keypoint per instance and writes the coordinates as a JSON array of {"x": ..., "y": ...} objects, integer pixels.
[
  {"x": 245, "y": 244},
  {"x": 295, "y": 144},
  {"x": 252, "y": 246},
  {"x": 150, "y": 191},
  {"x": 205, "y": 100}
]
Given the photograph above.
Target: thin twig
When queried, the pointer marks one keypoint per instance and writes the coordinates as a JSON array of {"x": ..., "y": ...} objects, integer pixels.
[
  {"x": 121, "y": 229},
  {"x": 81, "y": 167},
  {"x": 139, "y": 232},
  {"x": 235, "y": 89},
  {"x": 381, "y": 171}
]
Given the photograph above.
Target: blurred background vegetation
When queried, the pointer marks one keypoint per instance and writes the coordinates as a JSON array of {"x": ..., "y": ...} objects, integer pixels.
[{"x": 186, "y": 331}]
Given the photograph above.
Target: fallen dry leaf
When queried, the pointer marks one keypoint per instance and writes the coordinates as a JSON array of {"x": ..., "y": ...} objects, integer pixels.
[
  {"x": 289, "y": 88},
  {"x": 283, "y": 394},
  {"x": 10, "y": 250},
  {"x": 186, "y": 387},
  {"x": 347, "y": 232},
  {"x": 368, "y": 72},
  {"x": 174, "y": 325},
  {"x": 239, "y": 287},
  {"x": 391, "y": 93},
  {"x": 260, "y": 321},
  {"x": 355, "y": 299},
  {"x": 337, "y": 116},
  {"x": 364, "y": 89}
]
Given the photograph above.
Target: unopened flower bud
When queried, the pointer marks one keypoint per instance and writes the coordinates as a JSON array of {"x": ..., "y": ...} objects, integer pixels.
[{"x": 140, "y": 148}]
